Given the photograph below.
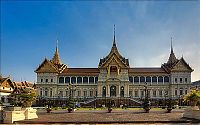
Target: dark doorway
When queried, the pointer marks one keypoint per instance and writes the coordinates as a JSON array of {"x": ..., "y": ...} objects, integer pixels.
[{"x": 112, "y": 91}]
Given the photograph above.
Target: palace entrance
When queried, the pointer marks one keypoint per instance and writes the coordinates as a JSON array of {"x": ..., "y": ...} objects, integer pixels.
[{"x": 113, "y": 91}]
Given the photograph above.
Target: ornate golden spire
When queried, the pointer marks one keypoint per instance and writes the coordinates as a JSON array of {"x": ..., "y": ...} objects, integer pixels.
[
  {"x": 56, "y": 58},
  {"x": 172, "y": 58},
  {"x": 114, "y": 43}
]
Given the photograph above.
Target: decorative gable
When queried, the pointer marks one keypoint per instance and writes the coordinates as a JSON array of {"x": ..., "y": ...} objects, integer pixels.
[
  {"x": 181, "y": 66},
  {"x": 46, "y": 66}
]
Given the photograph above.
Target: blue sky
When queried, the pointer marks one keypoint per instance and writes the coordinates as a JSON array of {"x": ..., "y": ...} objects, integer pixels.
[{"x": 85, "y": 32}]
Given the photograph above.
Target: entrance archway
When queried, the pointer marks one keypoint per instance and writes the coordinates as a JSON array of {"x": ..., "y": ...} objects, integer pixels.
[
  {"x": 104, "y": 92},
  {"x": 122, "y": 92},
  {"x": 112, "y": 91}
]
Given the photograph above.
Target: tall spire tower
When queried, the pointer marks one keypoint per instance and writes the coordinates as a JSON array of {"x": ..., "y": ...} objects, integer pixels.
[
  {"x": 172, "y": 58},
  {"x": 114, "y": 43},
  {"x": 56, "y": 57}
]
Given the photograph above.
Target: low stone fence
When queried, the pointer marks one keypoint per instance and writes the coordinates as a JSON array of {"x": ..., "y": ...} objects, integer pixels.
[
  {"x": 192, "y": 113},
  {"x": 16, "y": 114}
]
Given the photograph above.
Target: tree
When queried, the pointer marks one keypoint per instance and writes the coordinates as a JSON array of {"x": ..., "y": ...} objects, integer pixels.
[
  {"x": 23, "y": 97},
  {"x": 192, "y": 97}
]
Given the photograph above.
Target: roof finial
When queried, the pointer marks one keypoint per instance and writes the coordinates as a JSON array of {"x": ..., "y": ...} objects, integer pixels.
[
  {"x": 56, "y": 58},
  {"x": 171, "y": 46},
  {"x": 114, "y": 44}
]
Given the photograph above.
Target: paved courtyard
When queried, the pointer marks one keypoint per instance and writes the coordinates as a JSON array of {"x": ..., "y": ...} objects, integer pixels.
[{"x": 103, "y": 117}]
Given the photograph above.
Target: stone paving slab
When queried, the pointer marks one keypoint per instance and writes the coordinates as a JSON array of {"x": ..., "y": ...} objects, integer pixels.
[{"x": 103, "y": 117}]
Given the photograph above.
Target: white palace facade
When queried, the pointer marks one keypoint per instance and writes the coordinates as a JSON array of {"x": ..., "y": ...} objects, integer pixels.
[{"x": 113, "y": 78}]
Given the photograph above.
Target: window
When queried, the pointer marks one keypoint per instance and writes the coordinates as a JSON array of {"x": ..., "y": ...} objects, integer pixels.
[
  {"x": 166, "y": 79},
  {"x": 176, "y": 92},
  {"x": 67, "y": 93},
  {"x": 3, "y": 87},
  {"x": 73, "y": 80},
  {"x": 154, "y": 93},
  {"x": 51, "y": 94},
  {"x": 85, "y": 79},
  {"x": 91, "y": 93},
  {"x": 130, "y": 78},
  {"x": 136, "y": 79},
  {"x": 40, "y": 92},
  {"x": 185, "y": 92},
  {"x": 175, "y": 80},
  {"x": 113, "y": 69},
  {"x": 85, "y": 93},
  {"x": 154, "y": 79},
  {"x": 61, "y": 94},
  {"x": 181, "y": 92},
  {"x": 95, "y": 93},
  {"x": 41, "y": 80},
  {"x": 51, "y": 80},
  {"x": 79, "y": 93},
  {"x": 67, "y": 79},
  {"x": 45, "y": 92},
  {"x": 91, "y": 80},
  {"x": 136, "y": 93},
  {"x": 142, "y": 79},
  {"x": 61, "y": 79},
  {"x": 130, "y": 93},
  {"x": 141, "y": 93},
  {"x": 181, "y": 80},
  {"x": 160, "y": 93},
  {"x": 79, "y": 80},
  {"x": 160, "y": 79},
  {"x": 104, "y": 91},
  {"x": 96, "y": 79},
  {"x": 148, "y": 79},
  {"x": 185, "y": 80}
]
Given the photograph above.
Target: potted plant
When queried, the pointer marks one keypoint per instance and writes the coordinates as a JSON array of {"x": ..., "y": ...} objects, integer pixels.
[
  {"x": 146, "y": 105},
  {"x": 169, "y": 106},
  {"x": 22, "y": 97},
  {"x": 49, "y": 110},
  {"x": 70, "y": 105},
  {"x": 192, "y": 97}
]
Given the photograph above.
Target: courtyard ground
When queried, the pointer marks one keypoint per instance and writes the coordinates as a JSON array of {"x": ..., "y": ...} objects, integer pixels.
[{"x": 116, "y": 116}]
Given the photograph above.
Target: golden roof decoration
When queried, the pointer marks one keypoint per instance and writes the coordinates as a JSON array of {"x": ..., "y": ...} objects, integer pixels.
[
  {"x": 56, "y": 57},
  {"x": 114, "y": 52}
]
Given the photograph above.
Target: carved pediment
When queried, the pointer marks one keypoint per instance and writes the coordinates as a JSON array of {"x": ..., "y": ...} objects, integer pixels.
[
  {"x": 47, "y": 66},
  {"x": 114, "y": 60},
  {"x": 182, "y": 66}
]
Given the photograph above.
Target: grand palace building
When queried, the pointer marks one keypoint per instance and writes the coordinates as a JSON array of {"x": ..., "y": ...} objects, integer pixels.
[{"x": 113, "y": 78}]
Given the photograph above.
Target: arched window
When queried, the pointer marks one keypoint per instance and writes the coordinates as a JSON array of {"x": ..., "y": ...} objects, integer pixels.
[
  {"x": 122, "y": 91},
  {"x": 79, "y": 79},
  {"x": 142, "y": 79},
  {"x": 136, "y": 79},
  {"x": 73, "y": 80},
  {"x": 113, "y": 69},
  {"x": 67, "y": 79},
  {"x": 91, "y": 80},
  {"x": 148, "y": 79},
  {"x": 130, "y": 78},
  {"x": 104, "y": 92},
  {"x": 160, "y": 79},
  {"x": 154, "y": 79},
  {"x": 112, "y": 91},
  {"x": 85, "y": 79},
  {"x": 166, "y": 79},
  {"x": 61, "y": 79}
]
